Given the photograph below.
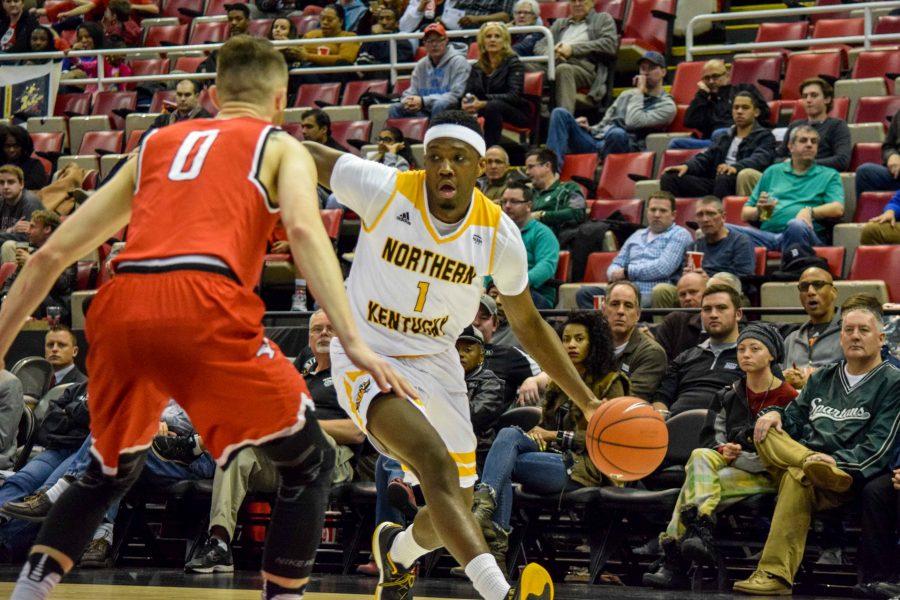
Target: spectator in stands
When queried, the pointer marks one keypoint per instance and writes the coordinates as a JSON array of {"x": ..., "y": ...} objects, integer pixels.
[
  {"x": 793, "y": 197},
  {"x": 497, "y": 173},
  {"x": 635, "y": 113},
  {"x": 187, "y": 105},
  {"x": 637, "y": 355},
  {"x": 316, "y": 126},
  {"x": 822, "y": 448},
  {"x": 685, "y": 294},
  {"x": 118, "y": 23},
  {"x": 18, "y": 204},
  {"x": 526, "y": 13},
  {"x": 487, "y": 398},
  {"x": 586, "y": 45},
  {"x": 329, "y": 54},
  {"x": 251, "y": 470},
  {"x": 43, "y": 223},
  {"x": 45, "y": 39},
  {"x": 16, "y": 25},
  {"x": 725, "y": 466},
  {"x": 817, "y": 342},
  {"x": 438, "y": 81},
  {"x": 495, "y": 87},
  {"x": 88, "y": 36},
  {"x": 12, "y": 403},
  {"x": 510, "y": 363},
  {"x": 357, "y": 17},
  {"x": 876, "y": 178},
  {"x": 60, "y": 350},
  {"x": 835, "y": 146},
  {"x": 681, "y": 330},
  {"x": 479, "y": 12},
  {"x": 717, "y": 170},
  {"x": 558, "y": 204},
  {"x": 654, "y": 254},
  {"x": 17, "y": 150},
  {"x": 710, "y": 110},
  {"x": 380, "y": 52},
  {"x": 284, "y": 29},
  {"x": 552, "y": 457},
  {"x": 540, "y": 243},
  {"x": 392, "y": 150},
  {"x": 238, "y": 15},
  {"x": 699, "y": 372},
  {"x": 883, "y": 229},
  {"x": 419, "y": 14},
  {"x": 66, "y": 15}
]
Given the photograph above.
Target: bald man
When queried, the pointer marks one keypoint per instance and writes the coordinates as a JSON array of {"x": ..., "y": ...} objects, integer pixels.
[
  {"x": 817, "y": 342},
  {"x": 686, "y": 294},
  {"x": 710, "y": 110},
  {"x": 497, "y": 173}
]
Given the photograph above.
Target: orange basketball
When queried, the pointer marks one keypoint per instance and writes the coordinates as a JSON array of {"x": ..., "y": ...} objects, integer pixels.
[{"x": 626, "y": 438}]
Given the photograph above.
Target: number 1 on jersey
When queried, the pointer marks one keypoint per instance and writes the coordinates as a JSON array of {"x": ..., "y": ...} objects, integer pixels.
[{"x": 423, "y": 292}]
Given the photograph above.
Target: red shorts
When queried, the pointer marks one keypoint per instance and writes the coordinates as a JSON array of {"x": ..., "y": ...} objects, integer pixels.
[{"x": 195, "y": 337}]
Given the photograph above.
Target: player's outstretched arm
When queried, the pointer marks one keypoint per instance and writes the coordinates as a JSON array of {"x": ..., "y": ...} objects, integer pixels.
[
  {"x": 541, "y": 342},
  {"x": 325, "y": 158},
  {"x": 311, "y": 248},
  {"x": 95, "y": 221}
]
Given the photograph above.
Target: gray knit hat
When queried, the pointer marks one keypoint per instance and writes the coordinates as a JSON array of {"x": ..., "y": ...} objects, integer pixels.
[{"x": 767, "y": 334}]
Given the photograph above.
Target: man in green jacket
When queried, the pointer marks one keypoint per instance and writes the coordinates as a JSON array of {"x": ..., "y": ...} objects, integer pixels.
[
  {"x": 558, "y": 204},
  {"x": 540, "y": 243},
  {"x": 823, "y": 447}
]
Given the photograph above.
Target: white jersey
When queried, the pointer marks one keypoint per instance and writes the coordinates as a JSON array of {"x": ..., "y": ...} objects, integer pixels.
[{"x": 412, "y": 289}]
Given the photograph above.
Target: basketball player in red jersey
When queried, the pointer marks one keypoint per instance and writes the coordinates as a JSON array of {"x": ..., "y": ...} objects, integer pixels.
[{"x": 180, "y": 320}]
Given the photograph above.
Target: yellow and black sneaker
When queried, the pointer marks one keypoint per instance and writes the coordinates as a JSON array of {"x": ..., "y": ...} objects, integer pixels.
[
  {"x": 394, "y": 581},
  {"x": 534, "y": 584}
]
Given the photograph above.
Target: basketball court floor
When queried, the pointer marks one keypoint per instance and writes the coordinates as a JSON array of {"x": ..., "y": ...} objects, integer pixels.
[{"x": 161, "y": 584}]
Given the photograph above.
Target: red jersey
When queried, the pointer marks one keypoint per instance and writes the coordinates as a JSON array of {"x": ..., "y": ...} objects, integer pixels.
[{"x": 198, "y": 193}]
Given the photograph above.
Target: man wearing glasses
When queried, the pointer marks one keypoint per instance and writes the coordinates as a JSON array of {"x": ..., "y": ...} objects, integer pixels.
[
  {"x": 817, "y": 343},
  {"x": 710, "y": 110}
]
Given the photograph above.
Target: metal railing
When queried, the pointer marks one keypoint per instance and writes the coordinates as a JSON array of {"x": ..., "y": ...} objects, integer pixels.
[
  {"x": 395, "y": 67},
  {"x": 865, "y": 40}
]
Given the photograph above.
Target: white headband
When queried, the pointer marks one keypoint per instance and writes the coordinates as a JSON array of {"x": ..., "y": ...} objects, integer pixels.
[{"x": 457, "y": 132}]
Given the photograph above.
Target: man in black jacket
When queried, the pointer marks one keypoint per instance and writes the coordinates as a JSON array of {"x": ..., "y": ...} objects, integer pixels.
[
  {"x": 710, "y": 110},
  {"x": 717, "y": 170},
  {"x": 485, "y": 389},
  {"x": 187, "y": 105},
  {"x": 60, "y": 350}
]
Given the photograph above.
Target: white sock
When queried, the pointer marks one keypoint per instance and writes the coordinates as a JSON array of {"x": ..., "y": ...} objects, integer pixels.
[
  {"x": 104, "y": 531},
  {"x": 36, "y": 580},
  {"x": 57, "y": 489},
  {"x": 405, "y": 550},
  {"x": 487, "y": 577}
]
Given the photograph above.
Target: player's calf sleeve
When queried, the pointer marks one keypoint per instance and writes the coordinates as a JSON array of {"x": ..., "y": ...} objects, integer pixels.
[
  {"x": 305, "y": 461},
  {"x": 80, "y": 509}
]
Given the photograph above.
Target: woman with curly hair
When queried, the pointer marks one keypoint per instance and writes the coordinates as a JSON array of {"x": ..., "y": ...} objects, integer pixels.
[{"x": 550, "y": 458}]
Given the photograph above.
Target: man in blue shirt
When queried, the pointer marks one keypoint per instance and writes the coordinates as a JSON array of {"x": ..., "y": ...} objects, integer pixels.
[{"x": 793, "y": 196}]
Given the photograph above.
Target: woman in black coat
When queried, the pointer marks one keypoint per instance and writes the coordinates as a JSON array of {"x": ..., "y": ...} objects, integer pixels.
[
  {"x": 16, "y": 148},
  {"x": 16, "y": 25},
  {"x": 496, "y": 83}
]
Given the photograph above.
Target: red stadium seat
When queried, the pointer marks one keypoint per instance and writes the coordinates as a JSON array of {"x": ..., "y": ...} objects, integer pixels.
[
  {"x": 803, "y": 65},
  {"x": 354, "y": 89},
  {"x": 684, "y": 86},
  {"x": 86, "y": 274},
  {"x": 308, "y": 93},
  {"x": 614, "y": 8},
  {"x": 150, "y": 66},
  {"x": 413, "y": 128},
  {"x": 685, "y": 210},
  {"x": 677, "y": 125},
  {"x": 597, "y": 264},
  {"x": 193, "y": 8},
  {"x": 105, "y": 103},
  {"x": 331, "y": 219},
  {"x": 878, "y": 63},
  {"x": 632, "y": 210},
  {"x": 762, "y": 71},
  {"x": 563, "y": 266},
  {"x": 312, "y": 9},
  {"x": 870, "y": 204},
  {"x": 780, "y": 32},
  {"x": 260, "y": 27},
  {"x": 878, "y": 262},
  {"x": 646, "y": 26},
  {"x": 733, "y": 206},
  {"x": 840, "y": 109},
  {"x": 615, "y": 182},
  {"x": 207, "y": 103},
  {"x": 104, "y": 141},
  {"x": 7, "y": 269},
  {"x": 877, "y": 109},
  {"x": 830, "y": 28},
  {"x": 474, "y": 52},
  {"x": 532, "y": 89},
  {"x": 206, "y": 32},
  {"x": 51, "y": 141},
  {"x": 305, "y": 23},
  {"x": 887, "y": 24},
  {"x": 216, "y": 7},
  {"x": 759, "y": 267},
  {"x": 865, "y": 152},
  {"x": 133, "y": 139},
  {"x": 579, "y": 165},
  {"x": 68, "y": 105},
  {"x": 550, "y": 11},
  {"x": 159, "y": 97},
  {"x": 676, "y": 157},
  {"x": 342, "y": 131},
  {"x": 401, "y": 85},
  {"x": 165, "y": 35},
  {"x": 834, "y": 255},
  {"x": 188, "y": 64}
]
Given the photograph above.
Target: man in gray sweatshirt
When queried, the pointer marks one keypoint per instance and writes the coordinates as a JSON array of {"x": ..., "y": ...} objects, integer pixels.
[
  {"x": 635, "y": 113},
  {"x": 438, "y": 81}
]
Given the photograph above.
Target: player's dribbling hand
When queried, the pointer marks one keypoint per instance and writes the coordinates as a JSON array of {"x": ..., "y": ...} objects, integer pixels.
[
  {"x": 764, "y": 423},
  {"x": 386, "y": 377}
]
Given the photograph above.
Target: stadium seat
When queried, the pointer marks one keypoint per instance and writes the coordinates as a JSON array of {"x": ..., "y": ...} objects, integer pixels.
[
  {"x": 887, "y": 24},
  {"x": 840, "y": 109},
  {"x": 305, "y": 23},
  {"x": 7, "y": 269},
  {"x": 647, "y": 27},
  {"x": 803, "y": 65},
  {"x": 413, "y": 128},
  {"x": 877, "y": 109},
  {"x": 205, "y": 32},
  {"x": 597, "y": 264},
  {"x": 343, "y": 131},
  {"x": 759, "y": 265},
  {"x": 133, "y": 139},
  {"x": 188, "y": 64},
  {"x": 834, "y": 255},
  {"x": 764, "y": 71},
  {"x": 781, "y": 32},
  {"x": 684, "y": 85},
  {"x": 531, "y": 90},
  {"x": 47, "y": 141},
  {"x": 550, "y": 11},
  {"x": 632, "y": 210},
  {"x": 615, "y": 182},
  {"x": 676, "y": 157},
  {"x": 308, "y": 93},
  {"x": 685, "y": 211},
  {"x": 165, "y": 35},
  {"x": 150, "y": 66},
  {"x": 563, "y": 266},
  {"x": 331, "y": 219},
  {"x": 354, "y": 89},
  {"x": 473, "y": 53},
  {"x": 102, "y": 141},
  {"x": 78, "y": 126},
  {"x": 658, "y": 143},
  {"x": 815, "y": 18},
  {"x": 879, "y": 262},
  {"x": 870, "y": 204},
  {"x": 582, "y": 166},
  {"x": 159, "y": 98},
  {"x": 260, "y": 27},
  {"x": 614, "y": 8},
  {"x": 877, "y": 63},
  {"x": 173, "y": 8},
  {"x": 865, "y": 153},
  {"x": 216, "y": 7},
  {"x": 105, "y": 103},
  {"x": 841, "y": 27},
  {"x": 68, "y": 105},
  {"x": 733, "y": 206},
  {"x": 207, "y": 103}
]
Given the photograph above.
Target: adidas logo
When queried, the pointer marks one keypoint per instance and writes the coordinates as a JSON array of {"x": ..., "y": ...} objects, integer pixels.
[
  {"x": 404, "y": 217},
  {"x": 477, "y": 239}
]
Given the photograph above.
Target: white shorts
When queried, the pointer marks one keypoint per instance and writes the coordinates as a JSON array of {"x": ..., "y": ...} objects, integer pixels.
[{"x": 440, "y": 381}]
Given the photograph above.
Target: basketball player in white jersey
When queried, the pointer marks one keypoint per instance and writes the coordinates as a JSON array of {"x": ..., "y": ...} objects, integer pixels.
[{"x": 427, "y": 240}]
